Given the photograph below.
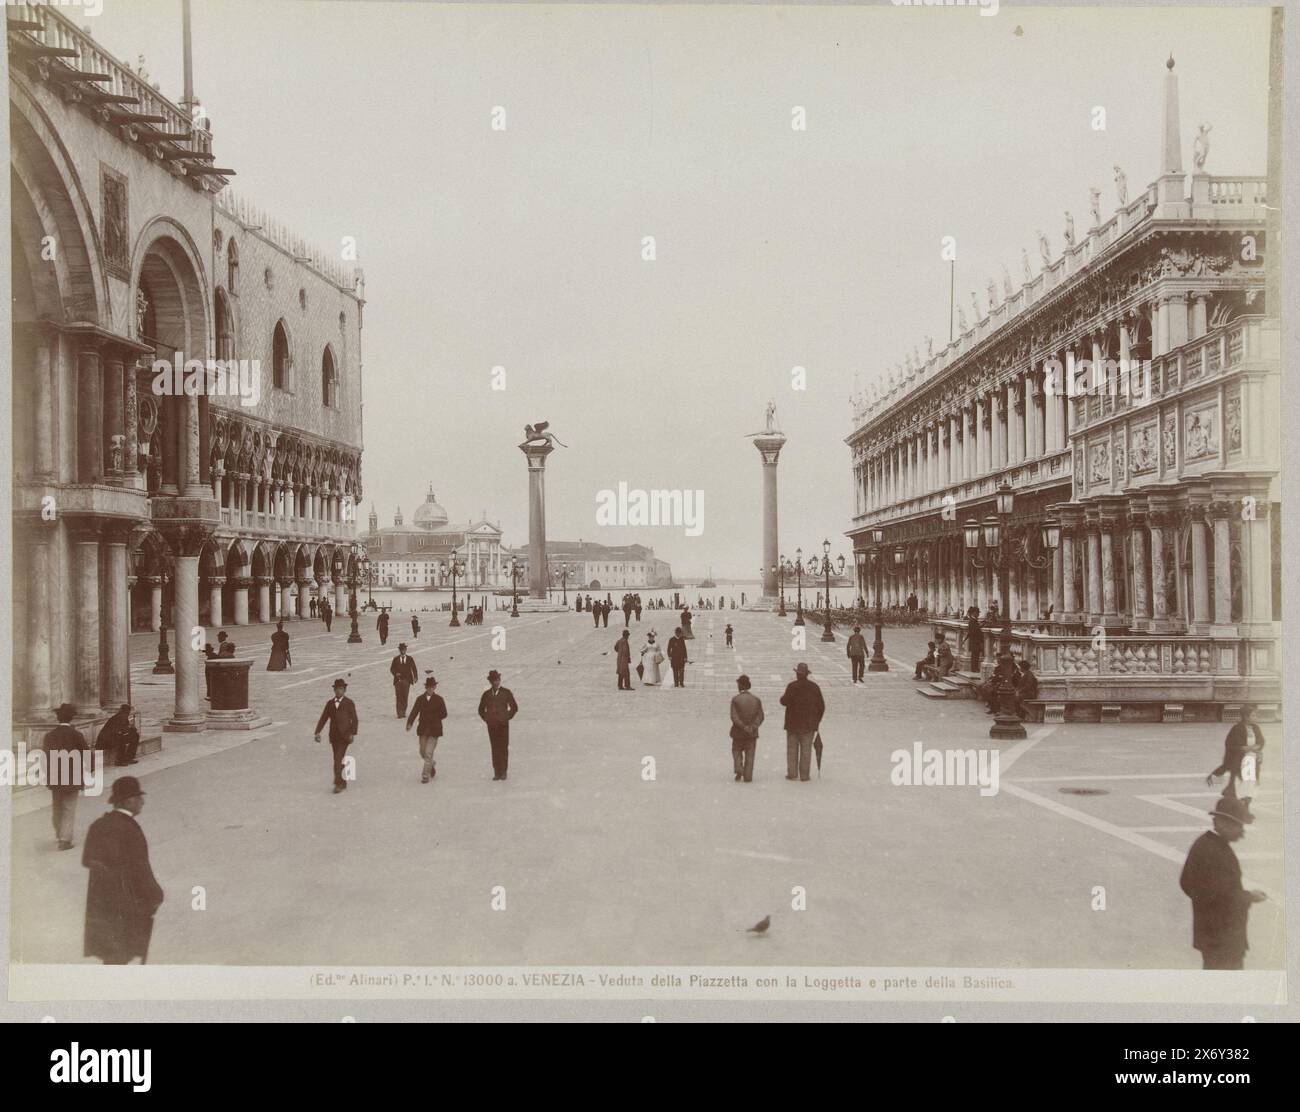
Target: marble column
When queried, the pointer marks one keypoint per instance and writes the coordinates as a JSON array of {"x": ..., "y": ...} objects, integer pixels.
[
  {"x": 340, "y": 597},
  {"x": 1058, "y": 580},
  {"x": 113, "y": 428},
  {"x": 1141, "y": 598},
  {"x": 117, "y": 619},
  {"x": 1200, "y": 570},
  {"x": 1159, "y": 607},
  {"x": 1093, "y": 574},
  {"x": 42, "y": 416},
  {"x": 193, "y": 484},
  {"x": 1069, "y": 597},
  {"x": 283, "y": 609},
  {"x": 85, "y": 582},
  {"x": 1109, "y": 592},
  {"x": 90, "y": 419},
  {"x": 1222, "y": 511},
  {"x": 768, "y": 445},
  {"x": 1257, "y": 563},
  {"x": 155, "y": 603},
  {"x": 214, "y": 600},
  {"x": 263, "y": 598},
  {"x": 304, "y": 598},
  {"x": 241, "y": 602},
  {"x": 188, "y": 716},
  {"x": 38, "y": 696}
]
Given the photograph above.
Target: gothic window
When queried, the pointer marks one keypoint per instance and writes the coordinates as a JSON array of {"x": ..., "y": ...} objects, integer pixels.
[
  {"x": 280, "y": 357},
  {"x": 329, "y": 381}
]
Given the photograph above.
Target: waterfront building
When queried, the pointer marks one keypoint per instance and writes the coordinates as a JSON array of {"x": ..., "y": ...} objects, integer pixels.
[
  {"x": 1129, "y": 393},
  {"x": 137, "y": 504}
]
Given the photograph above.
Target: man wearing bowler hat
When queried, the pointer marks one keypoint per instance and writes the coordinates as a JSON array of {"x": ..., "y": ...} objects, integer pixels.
[
  {"x": 122, "y": 894},
  {"x": 804, "y": 708},
  {"x": 404, "y": 674},
  {"x": 65, "y": 751},
  {"x": 496, "y": 707},
  {"x": 429, "y": 710},
  {"x": 341, "y": 713},
  {"x": 1212, "y": 879}
]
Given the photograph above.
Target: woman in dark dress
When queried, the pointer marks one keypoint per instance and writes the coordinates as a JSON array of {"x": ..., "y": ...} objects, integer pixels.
[{"x": 280, "y": 656}]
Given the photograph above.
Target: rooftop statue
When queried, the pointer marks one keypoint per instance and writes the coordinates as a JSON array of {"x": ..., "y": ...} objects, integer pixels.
[
  {"x": 1121, "y": 185},
  {"x": 1069, "y": 229},
  {"x": 1044, "y": 249},
  {"x": 1006, "y": 281},
  {"x": 975, "y": 305},
  {"x": 992, "y": 291},
  {"x": 961, "y": 320},
  {"x": 1024, "y": 262},
  {"x": 1094, "y": 201},
  {"x": 1201, "y": 146}
]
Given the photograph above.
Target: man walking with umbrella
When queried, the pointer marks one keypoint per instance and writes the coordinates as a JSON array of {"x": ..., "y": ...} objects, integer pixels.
[{"x": 804, "y": 707}]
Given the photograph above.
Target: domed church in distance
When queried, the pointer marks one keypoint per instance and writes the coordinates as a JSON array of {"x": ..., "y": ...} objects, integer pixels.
[{"x": 411, "y": 556}]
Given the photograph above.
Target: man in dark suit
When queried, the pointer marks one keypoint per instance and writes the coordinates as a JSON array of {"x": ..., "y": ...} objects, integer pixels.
[
  {"x": 974, "y": 638},
  {"x": 497, "y": 707},
  {"x": 382, "y": 626},
  {"x": 677, "y": 657},
  {"x": 122, "y": 894},
  {"x": 804, "y": 707},
  {"x": 429, "y": 710},
  {"x": 65, "y": 751},
  {"x": 1244, "y": 738},
  {"x": 596, "y": 609},
  {"x": 341, "y": 714},
  {"x": 623, "y": 658},
  {"x": 404, "y": 674},
  {"x": 119, "y": 739},
  {"x": 327, "y": 613},
  {"x": 1211, "y": 877}
]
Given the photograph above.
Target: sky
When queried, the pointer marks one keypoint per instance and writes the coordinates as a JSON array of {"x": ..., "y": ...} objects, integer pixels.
[{"x": 775, "y": 248}]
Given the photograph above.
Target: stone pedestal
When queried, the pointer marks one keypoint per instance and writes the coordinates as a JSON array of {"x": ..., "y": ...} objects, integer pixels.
[
  {"x": 769, "y": 445},
  {"x": 536, "y": 454},
  {"x": 228, "y": 690}
]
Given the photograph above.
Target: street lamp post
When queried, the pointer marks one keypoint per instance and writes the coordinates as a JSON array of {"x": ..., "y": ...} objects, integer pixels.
[
  {"x": 1001, "y": 549},
  {"x": 827, "y": 633},
  {"x": 457, "y": 569},
  {"x": 797, "y": 568},
  {"x": 354, "y": 637},
  {"x": 779, "y": 569},
  {"x": 515, "y": 571},
  {"x": 878, "y": 663},
  {"x": 562, "y": 573}
]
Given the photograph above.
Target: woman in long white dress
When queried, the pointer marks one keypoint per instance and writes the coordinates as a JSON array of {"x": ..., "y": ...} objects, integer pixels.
[{"x": 651, "y": 656}]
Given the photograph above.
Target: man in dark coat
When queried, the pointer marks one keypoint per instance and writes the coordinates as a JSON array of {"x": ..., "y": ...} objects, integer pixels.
[
  {"x": 327, "y": 613},
  {"x": 974, "y": 638},
  {"x": 1026, "y": 689},
  {"x": 281, "y": 658},
  {"x": 677, "y": 657},
  {"x": 122, "y": 894},
  {"x": 341, "y": 714},
  {"x": 857, "y": 651},
  {"x": 606, "y": 607},
  {"x": 623, "y": 658},
  {"x": 595, "y": 608},
  {"x": 1211, "y": 877},
  {"x": 382, "y": 626},
  {"x": 65, "y": 751},
  {"x": 497, "y": 707},
  {"x": 804, "y": 707},
  {"x": 429, "y": 710},
  {"x": 119, "y": 739},
  {"x": 404, "y": 674},
  {"x": 1244, "y": 738}
]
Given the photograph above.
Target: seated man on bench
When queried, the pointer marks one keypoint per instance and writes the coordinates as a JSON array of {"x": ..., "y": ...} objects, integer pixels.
[
  {"x": 923, "y": 667},
  {"x": 944, "y": 662}
]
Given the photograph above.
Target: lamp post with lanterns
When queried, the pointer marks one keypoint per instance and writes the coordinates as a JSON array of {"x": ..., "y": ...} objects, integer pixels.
[
  {"x": 516, "y": 570},
  {"x": 991, "y": 544},
  {"x": 562, "y": 574},
  {"x": 360, "y": 565},
  {"x": 797, "y": 569},
  {"x": 827, "y": 563},
  {"x": 778, "y": 569},
  {"x": 878, "y": 663},
  {"x": 456, "y": 568}
]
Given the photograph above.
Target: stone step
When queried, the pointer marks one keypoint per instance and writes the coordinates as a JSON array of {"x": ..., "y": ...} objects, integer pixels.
[{"x": 931, "y": 692}]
